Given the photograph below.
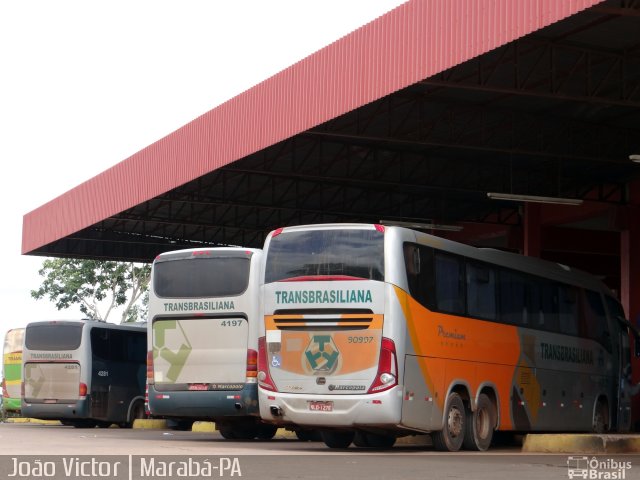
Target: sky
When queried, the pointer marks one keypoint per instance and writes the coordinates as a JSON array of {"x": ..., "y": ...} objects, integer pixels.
[{"x": 86, "y": 84}]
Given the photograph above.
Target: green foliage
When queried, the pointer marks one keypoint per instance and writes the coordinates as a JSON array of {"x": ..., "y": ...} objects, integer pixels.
[{"x": 97, "y": 286}]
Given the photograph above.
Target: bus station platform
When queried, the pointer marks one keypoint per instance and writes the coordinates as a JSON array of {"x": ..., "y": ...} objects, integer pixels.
[{"x": 582, "y": 443}]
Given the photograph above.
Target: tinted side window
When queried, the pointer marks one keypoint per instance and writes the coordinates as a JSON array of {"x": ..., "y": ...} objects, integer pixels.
[
  {"x": 450, "y": 295},
  {"x": 100, "y": 343},
  {"x": 137, "y": 347},
  {"x": 419, "y": 267},
  {"x": 549, "y": 304},
  {"x": 513, "y": 298},
  {"x": 595, "y": 318},
  {"x": 567, "y": 310},
  {"x": 481, "y": 291},
  {"x": 118, "y": 346}
]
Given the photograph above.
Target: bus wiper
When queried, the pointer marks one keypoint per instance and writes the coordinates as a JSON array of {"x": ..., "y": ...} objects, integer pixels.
[{"x": 323, "y": 278}]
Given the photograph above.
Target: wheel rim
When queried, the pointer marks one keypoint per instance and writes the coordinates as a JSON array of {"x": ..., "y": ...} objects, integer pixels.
[
  {"x": 455, "y": 422},
  {"x": 482, "y": 423}
]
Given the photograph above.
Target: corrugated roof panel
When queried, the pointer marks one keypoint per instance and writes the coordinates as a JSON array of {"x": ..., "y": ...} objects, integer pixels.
[{"x": 415, "y": 41}]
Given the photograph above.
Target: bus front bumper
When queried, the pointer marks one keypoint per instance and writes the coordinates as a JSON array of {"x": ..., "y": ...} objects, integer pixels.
[{"x": 379, "y": 409}]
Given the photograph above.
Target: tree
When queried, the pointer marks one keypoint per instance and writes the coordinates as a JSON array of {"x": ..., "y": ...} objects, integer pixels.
[{"x": 97, "y": 286}]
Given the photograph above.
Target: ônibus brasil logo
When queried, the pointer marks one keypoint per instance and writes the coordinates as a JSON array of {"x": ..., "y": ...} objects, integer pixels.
[{"x": 597, "y": 468}]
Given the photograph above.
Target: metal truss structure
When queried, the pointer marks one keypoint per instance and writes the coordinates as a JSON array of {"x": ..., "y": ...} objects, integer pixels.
[{"x": 555, "y": 113}]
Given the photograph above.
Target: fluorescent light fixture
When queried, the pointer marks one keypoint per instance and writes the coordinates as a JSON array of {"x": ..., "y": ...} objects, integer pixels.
[
  {"x": 534, "y": 198},
  {"x": 422, "y": 226},
  {"x": 635, "y": 158}
]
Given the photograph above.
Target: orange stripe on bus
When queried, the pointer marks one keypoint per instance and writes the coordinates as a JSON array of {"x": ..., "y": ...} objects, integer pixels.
[{"x": 459, "y": 348}]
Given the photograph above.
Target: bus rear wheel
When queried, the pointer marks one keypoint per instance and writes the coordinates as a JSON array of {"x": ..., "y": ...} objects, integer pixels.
[
  {"x": 85, "y": 423},
  {"x": 137, "y": 412},
  {"x": 374, "y": 440},
  {"x": 480, "y": 425},
  {"x": 266, "y": 432},
  {"x": 227, "y": 432},
  {"x": 308, "y": 435},
  {"x": 337, "y": 439},
  {"x": 450, "y": 438}
]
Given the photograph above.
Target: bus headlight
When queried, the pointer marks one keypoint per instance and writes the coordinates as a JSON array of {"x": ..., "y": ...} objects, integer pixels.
[{"x": 261, "y": 376}]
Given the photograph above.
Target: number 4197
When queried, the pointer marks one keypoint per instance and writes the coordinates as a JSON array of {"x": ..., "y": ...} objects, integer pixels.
[{"x": 231, "y": 323}]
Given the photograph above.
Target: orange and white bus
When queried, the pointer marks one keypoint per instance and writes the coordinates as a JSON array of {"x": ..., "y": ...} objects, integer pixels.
[{"x": 374, "y": 332}]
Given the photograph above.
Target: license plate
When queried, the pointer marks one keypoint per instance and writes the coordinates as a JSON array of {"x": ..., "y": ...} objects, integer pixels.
[
  {"x": 198, "y": 386},
  {"x": 321, "y": 406}
]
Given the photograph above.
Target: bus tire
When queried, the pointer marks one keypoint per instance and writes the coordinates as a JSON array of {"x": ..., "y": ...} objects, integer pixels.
[
  {"x": 308, "y": 435},
  {"x": 227, "y": 432},
  {"x": 480, "y": 425},
  {"x": 337, "y": 439},
  {"x": 450, "y": 438},
  {"x": 601, "y": 417},
  {"x": 137, "y": 412},
  {"x": 373, "y": 440},
  {"x": 84, "y": 423},
  {"x": 266, "y": 432}
]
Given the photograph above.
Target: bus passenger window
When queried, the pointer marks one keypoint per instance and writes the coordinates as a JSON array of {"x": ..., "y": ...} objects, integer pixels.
[
  {"x": 513, "y": 299},
  {"x": 549, "y": 304},
  {"x": 481, "y": 291},
  {"x": 419, "y": 268},
  {"x": 567, "y": 310},
  {"x": 449, "y": 284},
  {"x": 595, "y": 319},
  {"x": 100, "y": 343},
  {"x": 535, "y": 315}
]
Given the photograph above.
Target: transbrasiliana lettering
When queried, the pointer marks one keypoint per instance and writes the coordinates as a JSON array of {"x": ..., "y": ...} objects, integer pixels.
[
  {"x": 198, "y": 306},
  {"x": 324, "y": 296}
]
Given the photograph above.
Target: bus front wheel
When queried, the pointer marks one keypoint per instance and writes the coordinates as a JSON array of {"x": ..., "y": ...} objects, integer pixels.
[
  {"x": 601, "y": 417},
  {"x": 450, "y": 438},
  {"x": 480, "y": 425},
  {"x": 338, "y": 439}
]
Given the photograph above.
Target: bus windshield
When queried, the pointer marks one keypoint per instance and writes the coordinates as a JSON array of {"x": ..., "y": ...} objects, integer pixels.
[
  {"x": 54, "y": 336},
  {"x": 201, "y": 277},
  {"x": 343, "y": 253}
]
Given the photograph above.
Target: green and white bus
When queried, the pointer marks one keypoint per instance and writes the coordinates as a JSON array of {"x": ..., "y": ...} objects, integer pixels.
[
  {"x": 203, "y": 339},
  {"x": 12, "y": 370},
  {"x": 84, "y": 373},
  {"x": 373, "y": 332}
]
